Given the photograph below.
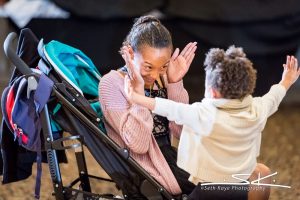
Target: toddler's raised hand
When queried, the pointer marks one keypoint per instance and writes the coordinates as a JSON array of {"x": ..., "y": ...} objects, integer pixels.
[
  {"x": 291, "y": 72},
  {"x": 136, "y": 78}
]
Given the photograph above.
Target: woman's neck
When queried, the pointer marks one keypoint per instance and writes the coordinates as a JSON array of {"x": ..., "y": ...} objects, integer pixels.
[
  {"x": 157, "y": 81},
  {"x": 149, "y": 86}
]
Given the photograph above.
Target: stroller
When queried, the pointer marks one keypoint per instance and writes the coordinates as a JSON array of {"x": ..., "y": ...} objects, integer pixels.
[{"x": 77, "y": 114}]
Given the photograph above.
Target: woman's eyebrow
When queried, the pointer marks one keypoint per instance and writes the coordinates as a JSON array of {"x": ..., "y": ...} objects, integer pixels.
[{"x": 148, "y": 63}]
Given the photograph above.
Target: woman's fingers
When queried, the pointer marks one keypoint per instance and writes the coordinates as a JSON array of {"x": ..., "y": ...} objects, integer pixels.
[
  {"x": 190, "y": 56},
  {"x": 190, "y": 59},
  {"x": 187, "y": 53},
  {"x": 194, "y": 49},
  {"x": 181, "y": 61},
  {"x": 183, "y": 52},
  {"x": 189, "y": 49},
  {"x": 175, "y": 54}
]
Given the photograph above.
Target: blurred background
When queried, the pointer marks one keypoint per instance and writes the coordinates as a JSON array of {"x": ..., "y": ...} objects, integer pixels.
[{"x": 268, "y": 30}]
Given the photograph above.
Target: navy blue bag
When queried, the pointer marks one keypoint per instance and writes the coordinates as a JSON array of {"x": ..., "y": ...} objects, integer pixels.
[
  {"x": 25, "y": 100},
  {"x": 27, "y": 108}
]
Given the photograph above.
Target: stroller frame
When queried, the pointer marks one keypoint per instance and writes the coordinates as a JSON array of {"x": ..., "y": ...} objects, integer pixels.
[{"x": 150, "y": 188}]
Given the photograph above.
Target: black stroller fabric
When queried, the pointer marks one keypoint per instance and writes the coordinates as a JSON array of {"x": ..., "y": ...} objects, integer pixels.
[{"x": 16, "y": 162}]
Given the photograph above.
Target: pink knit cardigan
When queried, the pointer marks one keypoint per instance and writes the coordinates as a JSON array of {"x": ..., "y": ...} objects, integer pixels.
[{"x": 131, "y": 126}]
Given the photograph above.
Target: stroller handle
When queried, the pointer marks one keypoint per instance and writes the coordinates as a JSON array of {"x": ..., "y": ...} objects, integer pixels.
[{"x": 13, "y": 57}]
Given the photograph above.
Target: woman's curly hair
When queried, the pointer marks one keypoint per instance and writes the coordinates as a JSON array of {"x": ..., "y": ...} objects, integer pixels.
[{"x": 230, "y": 72}]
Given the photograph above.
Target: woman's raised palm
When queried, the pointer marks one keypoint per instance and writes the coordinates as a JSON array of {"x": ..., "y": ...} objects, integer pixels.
[{"x": 180, "y": 63}]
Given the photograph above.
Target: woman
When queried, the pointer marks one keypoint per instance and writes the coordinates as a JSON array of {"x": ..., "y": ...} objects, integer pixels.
[{"x": 148, "y": 47}]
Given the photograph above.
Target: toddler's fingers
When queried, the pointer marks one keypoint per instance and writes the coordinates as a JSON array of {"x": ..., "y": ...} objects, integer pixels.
[
  {"x": 296, "y": 64},
  {"x": 287, "y": 61},
  {"x": 123, "y": 56},
  {"x": 127, "y": 80},
  {"x": 292, "y": 67},
  {"x": 126, "y": 84},
  {"x": 297, "y": 68}
]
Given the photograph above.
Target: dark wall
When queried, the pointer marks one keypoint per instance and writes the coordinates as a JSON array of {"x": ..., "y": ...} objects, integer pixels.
[
  {"x": 268, "y": 30},
  {"x": 101, "y": 40},
  {"x": 266, "y": 43}
]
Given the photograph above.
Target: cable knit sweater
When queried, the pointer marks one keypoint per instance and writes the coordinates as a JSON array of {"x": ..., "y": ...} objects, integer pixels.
[
  {"x": 131, "y": 126},
  {"x": 220, "y": 137}
]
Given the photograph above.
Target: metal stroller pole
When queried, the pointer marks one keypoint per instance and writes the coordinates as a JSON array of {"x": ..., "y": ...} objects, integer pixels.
[
  {"x": 51, "y": 155},
  {"x": 13, "y": 57}
]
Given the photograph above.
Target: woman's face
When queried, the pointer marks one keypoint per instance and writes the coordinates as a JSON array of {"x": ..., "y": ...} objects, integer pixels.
[{"x": 152, "y": 62}]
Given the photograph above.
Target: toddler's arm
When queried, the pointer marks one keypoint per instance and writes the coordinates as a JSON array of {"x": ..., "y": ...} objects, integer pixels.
[
  {"x": 195, "y": 116},
  {"x": 272, "y": 99}
]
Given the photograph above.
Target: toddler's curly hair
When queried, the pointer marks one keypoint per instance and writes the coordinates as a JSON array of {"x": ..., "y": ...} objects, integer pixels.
[{"x": 230, "y": 72}]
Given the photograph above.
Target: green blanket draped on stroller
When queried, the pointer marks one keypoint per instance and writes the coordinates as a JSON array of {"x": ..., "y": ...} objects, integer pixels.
[{"x": 78, "y": 69}]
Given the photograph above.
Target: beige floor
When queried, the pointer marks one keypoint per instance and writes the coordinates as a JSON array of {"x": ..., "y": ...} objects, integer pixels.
[{"x": 280, "y": 151}]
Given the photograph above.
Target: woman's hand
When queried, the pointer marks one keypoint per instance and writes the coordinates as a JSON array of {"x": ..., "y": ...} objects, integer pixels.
[
  {"x": 137, "y": 81},
  {"x": 180, "y": 63}
]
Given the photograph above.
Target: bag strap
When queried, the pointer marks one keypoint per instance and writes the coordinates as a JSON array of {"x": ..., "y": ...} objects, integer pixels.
[
  {"x": 38, "y": 175},
  {"x": 43, "y": 92},
  {"x": 41, "y": 96}
]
